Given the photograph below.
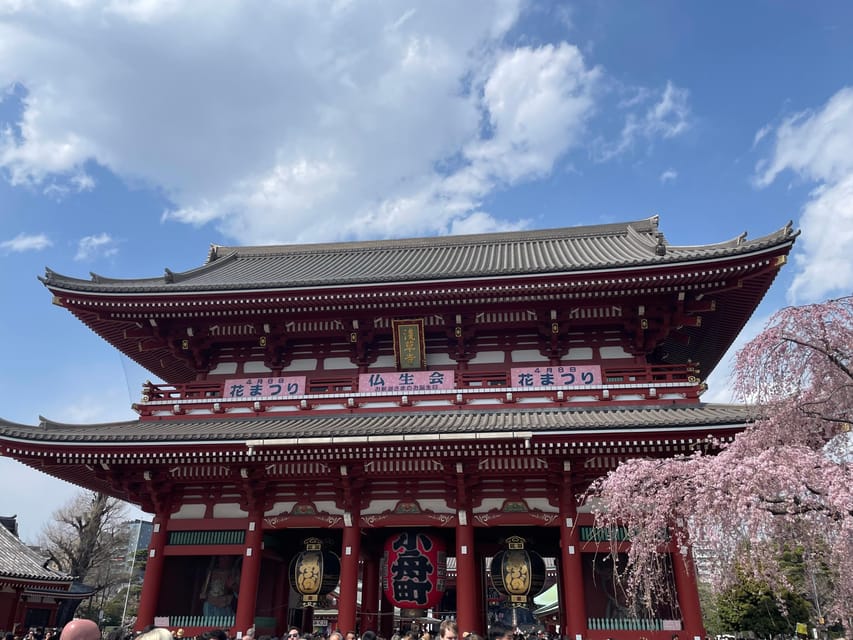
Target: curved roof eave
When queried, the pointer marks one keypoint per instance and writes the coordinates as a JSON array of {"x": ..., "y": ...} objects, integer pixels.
[
  {"x": 390, "y": 426},
  {"x": 550, "y": 251}
]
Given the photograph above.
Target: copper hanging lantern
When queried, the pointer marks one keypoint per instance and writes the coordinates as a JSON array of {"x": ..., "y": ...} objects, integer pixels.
[
  {"x": 517, "y": 572},
  {"x": 314, "y": 572}
]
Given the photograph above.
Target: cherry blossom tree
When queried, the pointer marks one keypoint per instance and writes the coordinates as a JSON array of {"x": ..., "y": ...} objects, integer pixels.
[{"x": 785, "y": 482}]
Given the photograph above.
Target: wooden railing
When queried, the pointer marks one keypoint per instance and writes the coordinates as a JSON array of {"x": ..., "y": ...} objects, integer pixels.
[{"x": 677, "y": 383}]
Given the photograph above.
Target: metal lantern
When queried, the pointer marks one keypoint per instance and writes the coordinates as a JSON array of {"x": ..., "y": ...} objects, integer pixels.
[
  {"x": 414, "y": 572},
  {"x": 517, "y": 573},
  {"x": 314, "y": 572}
]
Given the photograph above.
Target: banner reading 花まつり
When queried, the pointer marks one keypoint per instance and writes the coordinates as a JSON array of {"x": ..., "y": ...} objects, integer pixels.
[{"x": 560, "y": 376}]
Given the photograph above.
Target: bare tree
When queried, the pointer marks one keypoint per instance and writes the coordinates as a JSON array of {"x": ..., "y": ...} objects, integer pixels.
[{"x": 88, "y": 538}]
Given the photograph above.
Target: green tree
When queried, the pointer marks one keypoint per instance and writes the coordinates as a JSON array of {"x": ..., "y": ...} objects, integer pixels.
[
  {"x": 710, "y": 610},
  {"x": 749, "y": 605}
]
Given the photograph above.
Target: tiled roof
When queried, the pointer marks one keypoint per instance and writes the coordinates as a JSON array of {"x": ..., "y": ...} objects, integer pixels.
[
  {"x": 625, "y": 244},
  {"x": 19, "y": 562},
  {"x": 384, "y": 426}
]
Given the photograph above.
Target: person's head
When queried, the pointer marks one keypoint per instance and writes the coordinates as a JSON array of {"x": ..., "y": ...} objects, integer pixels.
[
  {"x": 80, "y": 629},
  {"x": 293, "y": 632},
  {"x": 448, "y": 630},
  {"x": 157, "y": 633},
  {"x": 499, "y": 631},
  {"x": 336, "y": 635},
  {"x": 368, "y": 635},
  {"x": 351, "y": 635}
]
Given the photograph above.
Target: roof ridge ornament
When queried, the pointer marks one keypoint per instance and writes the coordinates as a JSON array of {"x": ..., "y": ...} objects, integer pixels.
[{"x": 168, "y": 276}]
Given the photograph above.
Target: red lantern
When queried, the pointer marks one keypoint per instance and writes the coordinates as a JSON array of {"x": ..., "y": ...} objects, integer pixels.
[{"x": 414, "y": 571}]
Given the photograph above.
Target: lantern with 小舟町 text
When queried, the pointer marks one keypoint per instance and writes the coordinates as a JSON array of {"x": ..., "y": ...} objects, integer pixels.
[
  {"x": 314, "y": 572},
  {"x": 414, "y": 572},
  {"x": 517, "y": 573}
]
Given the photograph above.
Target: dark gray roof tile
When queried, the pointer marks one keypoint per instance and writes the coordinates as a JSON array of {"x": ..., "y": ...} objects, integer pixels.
[
  {"x": 537, "y": 421},
  {"x": 18, "y": 561},
  {"x": 624, "y": 244}
]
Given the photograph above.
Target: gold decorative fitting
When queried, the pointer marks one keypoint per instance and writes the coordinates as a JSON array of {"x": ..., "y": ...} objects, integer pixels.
[
  {"x": 457, "y": 332},
  {"x": 353, "y": 336},
  {"x": 555, "y": 327},
  {"x": 185, "y": 344},
  {"x": 262, "y": 341},
  {"x": 644, "y": 323}
]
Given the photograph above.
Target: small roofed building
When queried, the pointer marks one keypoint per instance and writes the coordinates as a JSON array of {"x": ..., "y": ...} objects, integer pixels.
[
  {"x": 31, "y": 594},
  {"x": 331, "y": 422}
]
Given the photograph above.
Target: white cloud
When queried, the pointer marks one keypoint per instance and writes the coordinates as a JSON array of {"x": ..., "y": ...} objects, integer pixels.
[
  {"x": 26, "y": 242},
  {"x": 301, "y": 121},
  {"x": 667, "y": 117},
  {"x": 816, "y": 145},
  {"x": 761, "y": 134},
  {"x": 100, "y": 245},
  {"x": 668, "y": 176},
  {"x": 823, "y": 260}
]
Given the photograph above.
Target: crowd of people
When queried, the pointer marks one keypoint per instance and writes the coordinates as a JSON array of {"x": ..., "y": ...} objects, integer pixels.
[{"x": 84, "y": 629}]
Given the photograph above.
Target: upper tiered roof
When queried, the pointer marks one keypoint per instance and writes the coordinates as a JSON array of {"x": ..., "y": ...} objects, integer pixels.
[{"x": 517, "y": 253}]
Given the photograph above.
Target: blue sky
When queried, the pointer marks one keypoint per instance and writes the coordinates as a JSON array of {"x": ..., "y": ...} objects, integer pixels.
[{"x": 135, "y": 133}]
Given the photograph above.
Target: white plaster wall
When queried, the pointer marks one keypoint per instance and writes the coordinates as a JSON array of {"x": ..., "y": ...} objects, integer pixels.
[
  {"x": 229, "y": 510},
  {"x": 611, "y": 353},
  {"x": 580, "y": 353},
  {"x": 339, "y": 363},
  {"x": 305, "y": 364},
  {"x": 188, "y": 511},
  {"x": 488, "y": 357},
  {"x": 528, "y": 355},
  {"x": 224, "y": 368}
]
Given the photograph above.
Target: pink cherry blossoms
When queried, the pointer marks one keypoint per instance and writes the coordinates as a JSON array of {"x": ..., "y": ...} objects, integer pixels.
[{"x": 785, "y": 481}]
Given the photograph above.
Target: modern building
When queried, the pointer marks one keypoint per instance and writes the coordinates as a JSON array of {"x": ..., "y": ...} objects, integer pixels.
[{"x": 334, "y": 415}]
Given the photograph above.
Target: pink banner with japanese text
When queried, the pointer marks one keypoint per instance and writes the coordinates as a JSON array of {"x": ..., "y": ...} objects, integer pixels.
[
  {"x": 266, "y": 386},
  {"x": 406, "y": 381},
  {"x": 562, "y": 376}
]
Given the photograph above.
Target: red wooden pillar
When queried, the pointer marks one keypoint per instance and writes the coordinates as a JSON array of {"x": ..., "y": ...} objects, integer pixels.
[
  {"x": 153, "y": 574},
  {"x": 572, "y": 596},
  {"x": 370, "y": 593},
  {"x": 684, "y": 573},
  {"x": 350, "y": 550},
  {"x": 14, "y": 619},
  {"x": 481, "y": 589},
  {"x": 282, "y": 599},
  {"x": 250, "y": 574},
  {"x": 466, "y": 577},
  {"x": 386, "y": 616}
]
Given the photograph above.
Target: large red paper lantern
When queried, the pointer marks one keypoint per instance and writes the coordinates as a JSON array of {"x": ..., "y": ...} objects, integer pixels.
[{"x": 414, "y": 571}]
